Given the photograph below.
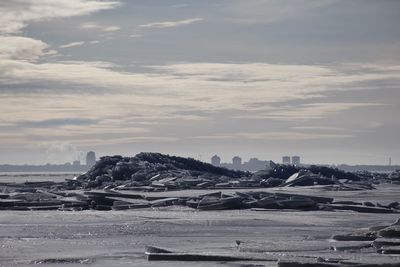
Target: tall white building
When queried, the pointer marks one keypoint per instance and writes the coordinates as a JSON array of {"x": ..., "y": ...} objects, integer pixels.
[
  {"x": 286, "y": 160},
  {"x": 296, "y": 160},
  {"x": 216, "y": 161},
  {"x": 237, "y": 163},
  {"x": 90, "y": 158}
]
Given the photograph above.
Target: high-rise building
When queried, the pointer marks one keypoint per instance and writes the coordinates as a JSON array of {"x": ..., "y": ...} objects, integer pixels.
[
  {"x": 90, "y": 158},
  {"x": 237, "y": 163},
  {"x": 76, "y": 163},
  {"x": 296, "y": 160},
  {"x": 216, "y": 161},
  {"x": 286, "y": 160},
  {"x": 254, "y": 164}
]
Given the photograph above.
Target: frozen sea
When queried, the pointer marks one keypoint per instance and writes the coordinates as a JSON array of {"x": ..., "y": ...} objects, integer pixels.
[
  {"x": 20, "y": 177},
  {"x": 118, "y": 238}
]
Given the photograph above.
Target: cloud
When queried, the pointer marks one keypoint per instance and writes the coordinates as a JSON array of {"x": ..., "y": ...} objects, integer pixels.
[
  {"x": 275, "y": 136},
  {"x": 92, "y": 134},
  {"x": 21, "y": 48},
  {"x": 250, "y": 87},
  {"x": 83, "y": 133},
  {"x": 318, "y": 128},
  {"x": 169, "y": 24},
  {"x": 58, "y": 151},
  {"x": 306, "y": 111},
  {"x": 116, "y": 101},
  {"x": 93, "y": 25},
  {"x": 126, "y": 140},
  {"x": 111, "y": 29},
  {"x": 363, "y": 128},
  {"x": 273, "y": 11},
  {"x": 14, "y": 15},
  {"x": 293, "y": 136},
  {"x": 58, "y": 147},
  {"x": 73, "y": 44},
  {"x": 12, "y": 138},
  {"x": 90, "y": 25},
  {"x": 60, "y": 122},
  {"x": 214, "y": 137}
]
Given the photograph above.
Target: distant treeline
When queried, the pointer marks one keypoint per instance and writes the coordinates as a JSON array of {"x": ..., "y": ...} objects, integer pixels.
[{"x": 44, "y": 168}]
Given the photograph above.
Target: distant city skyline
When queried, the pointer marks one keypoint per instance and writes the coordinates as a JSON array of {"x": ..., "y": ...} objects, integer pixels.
[
  {"x": 237, "y": 163},
  {"x": 261, "y": 78},
  {"x": 70, "y": 166},
  {"x": 253, "y": 164},
  {"x": 224, "y": 158}
]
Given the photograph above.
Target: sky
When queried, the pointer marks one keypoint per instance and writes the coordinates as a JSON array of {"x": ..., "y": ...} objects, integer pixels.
[{"x": 258, "y": 78}]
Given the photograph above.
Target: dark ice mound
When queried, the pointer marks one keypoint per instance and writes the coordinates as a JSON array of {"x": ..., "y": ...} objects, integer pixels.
[
  {"x": 155, "y": 169},
  {"x": 282, "y": 171}
]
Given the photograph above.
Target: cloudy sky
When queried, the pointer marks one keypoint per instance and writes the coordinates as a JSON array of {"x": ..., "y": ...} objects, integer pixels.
[{"x": 257, "y": 78}]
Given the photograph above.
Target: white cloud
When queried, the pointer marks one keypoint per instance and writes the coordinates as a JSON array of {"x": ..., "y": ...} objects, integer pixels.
[
  {"x": 273, "y": 11},
  {"x": 93, "y": 25},
  {"x": 170, "y": 92},
  {"x": 318, "y": 128},
  {"x": 58, "y": 147},
  {"x": 73, "y": 44},
  {"x": 12, "y": 138},
  {"x": 169, "y": 24},
  {"x": 14, "y": 15},
  {"x": 306, "y": 111},
  {"x": 111, "y": 29},
  {"x": 57, "y": 151},
  {"x": 293, "y": 136},
  {"x": 21, "y": 48},
  {"x": 125, "y": 140},
  {"x": 251, "y": 87},
  {"x": 275, "y": 136},
  {"x": 90, "y": 25},
  {"x": 214, "y": 137}
]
